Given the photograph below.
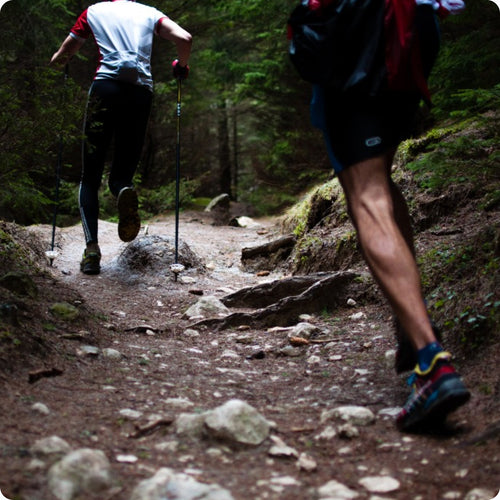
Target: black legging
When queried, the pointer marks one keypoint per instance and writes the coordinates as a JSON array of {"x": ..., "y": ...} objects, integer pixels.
[{"x": 116, "y": 110}]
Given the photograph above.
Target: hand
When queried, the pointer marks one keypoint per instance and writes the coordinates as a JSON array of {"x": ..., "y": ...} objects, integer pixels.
[{"x": 179, "y": 72}]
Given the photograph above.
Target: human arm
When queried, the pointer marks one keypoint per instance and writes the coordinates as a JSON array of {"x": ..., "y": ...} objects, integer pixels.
[
  {"x": 169, "y": 30},
  {"x": 444, "y": 7},
  {"x": 67, "y": 50}
]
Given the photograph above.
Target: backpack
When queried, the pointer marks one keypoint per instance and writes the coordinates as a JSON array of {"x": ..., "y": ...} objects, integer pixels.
[{"x": 338, "y": 43}]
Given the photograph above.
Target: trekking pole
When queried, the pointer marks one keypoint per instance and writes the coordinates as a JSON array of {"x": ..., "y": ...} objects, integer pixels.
[
  {"x": 52, "y": 254},
  {"x": 177, "y": 268}
]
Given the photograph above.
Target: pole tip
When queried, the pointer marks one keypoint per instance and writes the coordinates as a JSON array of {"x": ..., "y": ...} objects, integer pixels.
[{"x": 51, "y": 255}]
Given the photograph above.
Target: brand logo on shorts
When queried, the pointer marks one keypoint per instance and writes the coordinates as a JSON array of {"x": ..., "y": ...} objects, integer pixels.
[{"x": 373, "y": 141}]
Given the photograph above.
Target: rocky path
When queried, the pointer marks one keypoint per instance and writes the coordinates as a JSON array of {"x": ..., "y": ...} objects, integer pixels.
[{"x": 149, "y": 406}]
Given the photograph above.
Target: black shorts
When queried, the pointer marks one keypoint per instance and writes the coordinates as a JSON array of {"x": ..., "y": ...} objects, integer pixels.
[{"x": 359, "y": 127}]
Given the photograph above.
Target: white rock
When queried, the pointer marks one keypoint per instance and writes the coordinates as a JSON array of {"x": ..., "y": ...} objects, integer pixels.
[
  {"x": 291, "y": 352},
  {"x": 208, "y": 306},
  {"x": 112, "y": 353},
  {"x": 355, "y": 415},
  {"x": 390, "y": 357},
  {"x": 36, "y": 465},
  {"x": 345, "y": 450},
  {"x": 53, "y": 445},
  {"x": 304, "y": 330},
  {"x": 481, "y": 494},
  {"x": 190, "y": 424},
  {"x": 461, "y": 473},
  {"x": 306, "y": 317},
  {"x": 237, "y": 421},
  {"x": 327, "y": 434},
  {"x": 306, "y": 463},
  {"x": 87, "y": 350},
  {"x": 187, "y": 280},
  {"x": 190, "y": 332},
  {"x": 81, "y": 471},
  {"x": 380, "y": 484},
  {"x": 130, "y": 414},
  {"x": 348, "y": 431},
  {"x": 126, "y": 459},
  {"x": 335, "y": 357},
  {"x": 452, "y": 495},
  {"x": 313, "y": 360},
  {"x": 285, "y": 481},
  {"x": 244, "y": 221},
  {"x": 166, "y": 484},
  {"x": 280, "y": 449},
  {"x": 168, "y": 446},
  {"x": 229, "y": 354},
  {"x": 333, "y": 490},
  {"x": 179, "y": 403},
  {"x": 389, "y": 412},
  {"x": 41, "y": 408},
  {"x": 410, "y": 470},
  {"x": 357, "y": 316},
  {"x": 361, "y": 372}
]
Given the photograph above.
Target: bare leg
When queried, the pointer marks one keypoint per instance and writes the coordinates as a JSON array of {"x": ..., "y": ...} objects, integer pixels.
[{"x": 380, "y": 215}]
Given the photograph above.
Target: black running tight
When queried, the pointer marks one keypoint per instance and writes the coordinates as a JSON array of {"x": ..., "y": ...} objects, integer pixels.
[{"x": 116, "y": 111}]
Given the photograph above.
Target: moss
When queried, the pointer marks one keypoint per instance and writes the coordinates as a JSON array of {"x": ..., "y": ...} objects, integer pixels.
[
  {"x": 64, "y": 311},
  {"x": 313, "y": 207},
  {"x": 463, "y": 153}
]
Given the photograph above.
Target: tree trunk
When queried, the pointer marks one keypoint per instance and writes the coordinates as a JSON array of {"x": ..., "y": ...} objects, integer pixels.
[{"x": 224, "y": 151}]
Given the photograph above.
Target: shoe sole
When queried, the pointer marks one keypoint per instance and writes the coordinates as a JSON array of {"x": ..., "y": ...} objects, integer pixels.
[
  {"x": 129, "y": 222},
  {"x": 90, "y": 270},
  {"x": 451, "y": 395}
]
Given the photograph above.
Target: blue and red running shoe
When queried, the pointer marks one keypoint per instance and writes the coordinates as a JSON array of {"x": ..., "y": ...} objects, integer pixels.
[{"x": 436, "y": 392}]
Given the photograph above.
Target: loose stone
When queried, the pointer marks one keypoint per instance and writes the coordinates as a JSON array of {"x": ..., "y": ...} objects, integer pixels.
[{"x": 380, "y": 484}]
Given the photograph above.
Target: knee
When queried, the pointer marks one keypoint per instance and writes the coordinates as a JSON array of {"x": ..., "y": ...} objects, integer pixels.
[{"x": 371, "y": 209}]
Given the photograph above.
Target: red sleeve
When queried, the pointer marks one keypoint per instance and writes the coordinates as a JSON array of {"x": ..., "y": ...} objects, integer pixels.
[
  {"x": 158, "y": 23},
  {"x": 81, "y": 29}
]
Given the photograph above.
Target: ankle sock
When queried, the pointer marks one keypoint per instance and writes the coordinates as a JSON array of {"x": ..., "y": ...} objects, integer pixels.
[{"x": 426, "y": 355}]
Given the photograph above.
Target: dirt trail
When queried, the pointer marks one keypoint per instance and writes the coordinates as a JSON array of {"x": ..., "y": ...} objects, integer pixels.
[{"x": 161, "y": 364}]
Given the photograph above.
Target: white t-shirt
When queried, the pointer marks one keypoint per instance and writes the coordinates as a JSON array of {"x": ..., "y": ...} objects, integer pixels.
[{"x": 123, "y": 31}]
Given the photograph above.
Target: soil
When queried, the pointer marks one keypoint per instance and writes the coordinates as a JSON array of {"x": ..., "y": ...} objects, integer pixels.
[{"x": 141, "y": 315}]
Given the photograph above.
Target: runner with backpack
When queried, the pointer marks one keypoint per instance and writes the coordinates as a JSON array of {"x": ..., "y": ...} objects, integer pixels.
[{"x": 369, "y": 61}]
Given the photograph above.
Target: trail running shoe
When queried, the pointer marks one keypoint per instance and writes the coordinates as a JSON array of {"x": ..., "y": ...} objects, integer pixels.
[
  {"x": 91, "y": 263},
  {"x": 406, "y": 356},
  {"x": 129, "y": 221},
  {"x": 435, "y": 393}
]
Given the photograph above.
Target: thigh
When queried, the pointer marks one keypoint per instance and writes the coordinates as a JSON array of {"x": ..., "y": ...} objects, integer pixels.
[
  {"x": 100, "y": 116},
  {"x": 367, "y": 181},
  {"x": 99, "y": 125},
  {"x": 133, "y": 116}
]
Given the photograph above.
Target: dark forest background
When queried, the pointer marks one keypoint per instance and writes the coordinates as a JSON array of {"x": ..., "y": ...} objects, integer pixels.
[{"x": 245, "y": 114}]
